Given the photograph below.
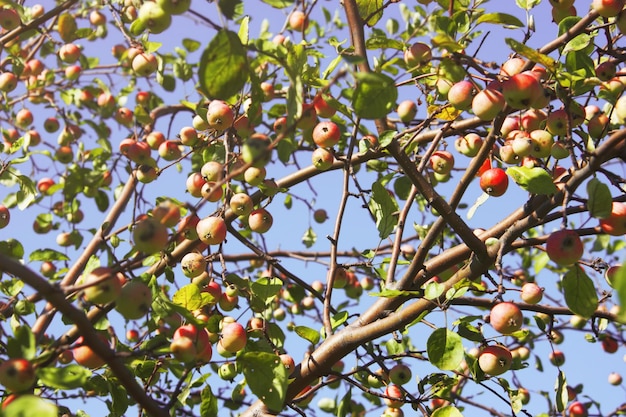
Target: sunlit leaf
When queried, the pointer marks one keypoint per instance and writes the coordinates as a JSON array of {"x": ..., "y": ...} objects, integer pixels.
[
  {"x": 223, "y": 67},
  {"x": 447, "y": 411},
  {"x": 307, "y": 333},
  {"x": 209, "y": 404},
  {"x": 370, "y": 11},
  {"x": 188, "y": 297},
  {"x": 384, "y": 207},
  {"x": 445, "y": 349},
  {"x": 561, "y": 392},
  {"x": 600, "y": 201},
  {"x": 499, "y": 19},
  {"x": 66, "y": 377},
  {"x": 532, "y": 54},
  {"x": 30, "y": 405},
  {"x": 375, "y": 95},
  {"x": 266, "y": 376},
  {"x": 535, "y": 180},
  {"x": 580, "y": 293}
]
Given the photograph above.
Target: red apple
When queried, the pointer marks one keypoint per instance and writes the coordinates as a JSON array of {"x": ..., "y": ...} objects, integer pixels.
[
  {"x": 506, "y": 317},
  {"x": 494, "y": 182},
  {"x": 5, "y": 216},
  {"x": 564, "y": 247},
  {"x": 577, "y": 409},
  {"x": 615, "y": 224},
  {"x": 233, "y": 337},
  {"x": 298, "y": 20},
  {"x": 326, "y": 134},
  {"x": 495, "y": 360},
  {"x": 487, "y": 104},
  {"x": 607, "y": 8},
  {"x": 211, "y": 230},
  {"x": 260, "y": 220}
]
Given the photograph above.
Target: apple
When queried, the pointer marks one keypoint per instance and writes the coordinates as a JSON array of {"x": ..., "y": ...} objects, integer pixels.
[
  {"x": 190, "y": 343},
  {"x": 400, "y": 374},
  {"x": 5, "y": 216},
  {"x": 522, "y": 144},
  {"x": 417, "y": 55},
  {"x": 577, "y": 409},
  {"x": 598, "y": 126},
  {"x": 233, "y": 337},
  {"x": 298, "y": 21},
  {"x": 521, "y": 90},
  {"x": 8, "y": 82},
  {"x": 194, "y": 184},
  {"x": 174, "y": 6},
  {"x": 219, "y": 115},
  {"x": 48, "y": 269},
  {"x": 615, "y": 223},
  {"x": 468, "y": 145},
  {"x": 326, "y": 134},
  {"x": 506, "y": 318},
  {"x": 188, "y": 136},
  {"x": 241, "y": 204},
  {"x": 394, "y": 396},
  {"x": 146, "y": 173},
  {"x": 256, "y": 150},
  {"x": 322, "y": 107},
  {"x": 135, "y": 300},
  {"x": 9, "y": 19},
  {"x": 153, "y": 17},
  {"x": 193, "y": 264},
  {"x": 512, "y": 66},
  {"x": 495, "y": 360},
  {"x": 124, "y": 116},
  {"x": 23, "y": 118},
  {"x": 442, "y": 162},
  {"x": 557, "y": 358},
  {"x": 320, "y": 216},
  {"x": 17, "y": 374},
  {"x": 170, "y": 150},
  {"x": 561, "y": 4},
  {"x": 69, "y": 53},
  {"x": 132, "y": 335},
  {"x": 150, "y": 236},
  {"x": 51, "y": 124},
  {"x": 606, "y": 70},
  {"x": 260, "y": 220},
  {"x": 144, "y": 64},
  {"x": 199, "y": 123},
  {"x": 211, "y": 230},
  {"x": 322, "y": 159},
  {"x": 228, "y": 371},
  {"x": 531, "y": 293},
  {"x": 254, "y": 175},
  {"x": 243, "y": 126},
  {"x": 494, "y": 182},
  {"x": 308, "y": 119},
  {"x": 609, "y": 344},
  {"x": 487, "y": 104},
  {"x": 615, "y": 378},
  {"x": 564, "y": 247},
  {"x": 103, "y": 285},
  {"x": 167, "y": 213},
  {"x": 407, "y": 110},
  {"x": 85, "y": 356},
  {"x": 607, "y": 8}
]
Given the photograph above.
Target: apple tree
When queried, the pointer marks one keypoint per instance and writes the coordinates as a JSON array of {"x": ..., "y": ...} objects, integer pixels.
[{"x": 290, "y": 208}]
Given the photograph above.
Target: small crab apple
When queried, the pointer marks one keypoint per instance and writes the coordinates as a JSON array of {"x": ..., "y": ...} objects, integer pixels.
[
  {"x": 170, "y": 150},
  {"x": 260, "y": 220},
  {"x": 69, "y": 53},
  {"x": 506, "y": 317},
  {"x": 394, "y": 396},
  {"x": 212, "y": 192},
  {"x": 298, "y": 20},
  {"x": 417, "y": 55},
  {"x": 322, "y": 107},
  {"x": 167, "y": 212},
  {"x": 326, "y": 134},
  {"x": 564, "y": 247},
  {"x": 615, "y": 223},
  {"x": 8, "y": 82},
  {"x": 495, "y": 360},
  {"x": 487, "y": 104},
  {"x": 577, "y": 409},
  {"x": 17, "y": 374},
  {"x": 322, "y": 159},
  {"x": 606, "y": 70},
  {"x": 609, "y": 344},
  {"x": 188, "y": 136},
  {"x": 320, "y": 216},
  {"x": 154, "y": 139},
  {"x": 146, "y": 174},
  {"x": 241, "y": 204},
  {"x": 521, "y": 90},
  {"x": 468, "y": 145},
  {"x": 85, "y": 356},
  {"x": 193, "y": 264},
  {"x": 494, "y": 182},
  {"x": 442, "y": 162},
  {"x": 135, "y": 300},
  {"x": 150, "y": 235},
  {"x": 407, "y": 110},
  {"x": 607, "y": 8},
  {"x": 5, "y": 216},
  {"x": 400, "y": 374},
  {"x": 103, "y": 286},
  {"x": 194, "y": 184},
  {"x": 615, "y": 378},
  {"x": 211, "y": 230},
  {"x": 219, "y": 115},
  {"x": 144, "y": 64},
  {"x": 531, "y": 293},
  {"x": 512, "y": 66},
  {"x": 174, "y": 7},
  {"x": 24, "y": 118},
  {"x": 598, "y": 126},
  {"x": 461, "y": 95},
  {"x": 557, "y": 358},
  {"x": 233, "y": 337},
  {"x": 153, "y": 17}
]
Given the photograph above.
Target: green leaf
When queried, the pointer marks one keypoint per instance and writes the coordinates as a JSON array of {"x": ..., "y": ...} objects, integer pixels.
[
  {"x": 375, "y": 95},
  {"x": 499, "y": 19},
  {"x": 470, "y": 332},
  {"x": 532, "y": 54},
  {"x": 445, "y": 349},
  {"x": 580, "y": 293},
  {"x": 535, "y": 180},
  {"x": 309, "y": 237},
  {"x": 244, "y": 31},
  {"x": 66, "y": 377},
  {"x": 12, "y": 248},
  {"x": 338, "y": 319},
  {"x": 188, "y": 297},
  {"x": 619, "y": 283},
  {"x": 578, "y": 43},
  {"x": 27, "y": 193},
  {"x": 390, "y": 293},
  {"x": 561, "y": 392},
  {"x": 433, "y": 290},
  {"x": 208, "y": 406},
  {"x": 447, "y": 411},
  {"x": 223, "y": 67},
  {"x": 22, "y": 344},
  {"x": 266, "y": 288},
  {"x": 231, "y": 9},
  {"x": 384, "y": 208},
  {"x": 191, "y": 45},
  {"x": 386, "y": 138},
  {"x": 30, "y": 405},
  {"x": 307, "y": 333},
  {"x": 600, "y": 201},
  {"x": 266, "y": 376},
  {"x": 47, "y": 255},
  {"x": 527, "y": 4},
  {"x": 370, "y": 11},
  {"x": 279, "y": 4}
]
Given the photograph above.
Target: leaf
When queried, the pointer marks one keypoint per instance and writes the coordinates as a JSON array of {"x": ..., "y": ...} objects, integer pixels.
[
  {"x": 580, "y": 293},
  {"x": 266, "y": 376},
  {"x": 188, "y": 297},
  {"x": 578, "y": 43},
  {"x": 22, "y": 344},
  {"x": 27, "y": 193},
  {"x": 386, "y": 138},
  {"x": 309, "y": 237},
  {"x": 370, "y": 11},
  {"x": 469, "y": 332},
  {"x": 375, "y": 95},
  {"x": 67, "y": 27},
  {"x": 231, "y": 9},
  {"x": 535, "y": 180},
  {"x": 338, "y": 319},
  {"x": 447, "y": 411},
  {"x": 67, "y": 377},
  {"x": 47, "y": 255},
  {"x": 191, "y": 45},
  {"x": 389, "y": 293},
  {"x": 279, "y": 4},
  {"x": 30, "y": 405},
  {"x": 619, "y": 283},
  {"x": 307, "y": 333},
  {"x": 223, "y": 67},
  {"x": 445, "y": 349},
  {"x": 433, "y": 290},
  {"x": 266, "y": 288},
  {"x": 383, "y": 207},
  {"x": 561, "y": 392},
  {"x": 532, "y": 54},
  {"x": 499, "y": 19},
  {"x": 208, "y": 406},
  {"x": 600, "y": 201}
]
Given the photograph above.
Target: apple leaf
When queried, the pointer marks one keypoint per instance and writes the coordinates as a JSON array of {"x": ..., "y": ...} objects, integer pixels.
[
  {"x": 600, "y": 201},
  {"x": 308, "y": 334},
  {"x": 535, "y": 180},
  {"x": 561, "y": 392},
  {"x": 208, "y": 407},
  {"x": 386, "y": 138},
  {"x": 447, "y": 411},
  {"x": 279, "y": 4},
  {"x": 499, "y": 19},
  {"x": 580, "y": 293},
  {"x": 309, "y": 237},
  {"x": 370, "y": 11},
  {"x": 384, "y": 207},
  {"x": 66, "y": 377},
  {"x": 445, "y": 349},
  {"x": 266, "y": 376},
  {"x": 223, "y": 67},
  {"x": 619, "y": 283},
  {"x": 266, "y": 288},
  {"x": 532, "y": 54},
  {"x": 47, "y": 255},
  {"x": 30, "y": 405},
  {"x": 188, "y": 297},
  {"x": 67, "y": 27},
  {"x": 375, "y": 95}
]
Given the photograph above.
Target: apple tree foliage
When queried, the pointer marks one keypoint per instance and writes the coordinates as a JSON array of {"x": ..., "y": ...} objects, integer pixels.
[{"x": 164, "y": 197}]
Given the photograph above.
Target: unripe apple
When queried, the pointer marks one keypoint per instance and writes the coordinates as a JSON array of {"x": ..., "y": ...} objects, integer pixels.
[
  {"x": 153, "y": 17},
  {"x": 241, "y": 204},
  {"x": 417, "y": 55},
  {"x": 254, "y": 175},
  {"x": 557, "y": 358},
  {"x": 9, "y": 18},
  {"x": 144, "y": 64},
  {"x": 260, "y": 220},
  {"x": 407, "y": 110},
  {"x": 104, "y": 286},
  {"x": 233, "y": 337},
  {"x": 150, "y": 236},
  {"x": 17, "y": 374},
  {"x": 326, "y": 134},
  {"x": 506, "y": 317},
  {"x": 170, "y": 150},
  {"x": 322, "y": 159},
  {"x": 561, "y": 4},
  {"x": 531, "y": 293},
  {"x": 495, "y": 360},
  {"x": 542, "y": 142},
  {"x": 320, "y": 216},
  {"x": 174, "y": 7},
  {"x": 615, "y": 224},
  {"x": 522, "y": 144},
  {"x": 188, "y": 136},
  {"x": 400, "y": 374},
  {"x": 211, "y": 230},
  {"x": 8, "y": 82},
  {"x": 487, "y": 104},
  {"x": 564, "y": 247},
  {"x": 494, "y": 182},
  {"x": 167, "y": 212},
  {"x": 135, "y": 300},
  {"x": 298, "y": 21},
  {"x": 146, "y": 174},
  {"x": 442, "y": 162}
]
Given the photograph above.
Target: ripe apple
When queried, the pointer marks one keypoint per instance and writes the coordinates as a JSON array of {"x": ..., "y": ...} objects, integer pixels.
[
  {"x": 468, "y": 145},
  {"x": 150, "y": 236},
  {"x": 322, "y": 107},
  {"x": 598, "y": 126},
  {"x": 487, "y": 104},
  {"x": 417, "y": 55},
  {"x": 97, "y": 18},
  {"x": 9, "y": 19},
  {"x": 5, "y": 216},
  {"x": 494, "y": 182},
  {"x": 211, "y": 230},
  {"x": 170, "y": 150},
  {"x": 23, "y": 118},
  {"x": 17, "y": 374},
  {"x": 233, "y": 337},
  {"x": 85, "y": 356},
  {"x": 521, "y": 90},
  {"x": 607, "y": 8},
  {"x": 506, "y": 317},
  {"x": 104, "y": 286},
  {"x": 51, "y": 124},
  {"x": 194, "y": 184},
  {"x": 577, "y": 409},
  {"x": 400, "y": 374},
  {"x": 495, "y": 360},
  {"x": 394, "y": 396},
  {"x": 557, "y": 358},
  {"x": 8, "y": 82},
  {"x": 512, "y": 66},
  {"x": 531, "y": 293},
  {"x": 167, "y": 212},
  {"x": 135, "y": 300},
  {"x": 190, "y": 343},
  {"x": 442, "y": 162},
  {"x": 241, "y": 204},
  {"x": 320, "y": 216},
  {"x": 564, "y": 247},
  {"x": 615, "y": 224},
  {"x": 260, "y": 220},
  {"x": 219, "y": 115},
  {"x": 322, "y": 159},
  {"x": 69, "y": 53},
  {"x": 298, "y": 21},
  {"x": 606, "y": 70},
  {"x": 615, "y": 378},
  {"x": 188, "y": 136},
  {"x": 326, "y": 134},
  {"x": 407, "y": 110},
  {"x": 609, "y": 344}
]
